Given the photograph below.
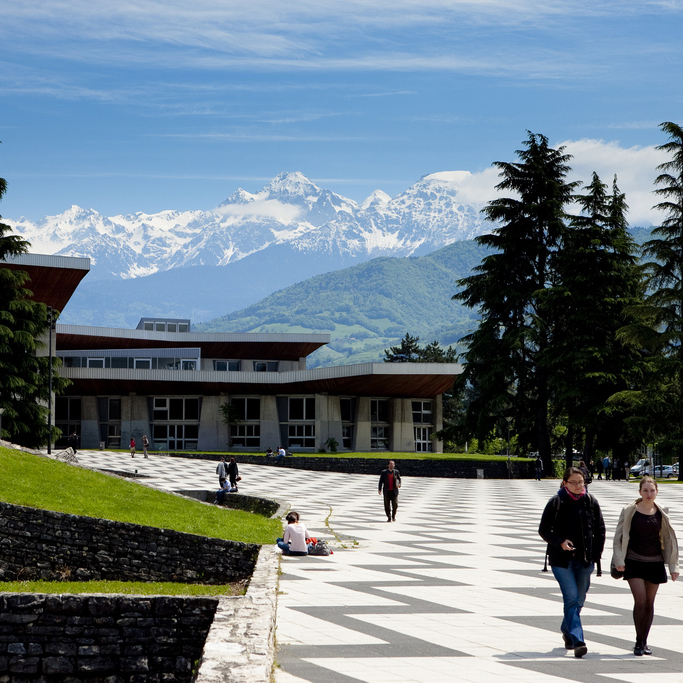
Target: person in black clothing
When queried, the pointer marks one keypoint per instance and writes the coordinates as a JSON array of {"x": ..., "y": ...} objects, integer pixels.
[
  {"x": 573, "y": 527},
  {"x": 233, "y": 473},
  {"x": 73, "y": 441},
  {"x": 390, "y": 481}
]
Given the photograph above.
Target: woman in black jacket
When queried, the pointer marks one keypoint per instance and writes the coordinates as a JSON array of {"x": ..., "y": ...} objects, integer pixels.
[{"x": 574, "y": 529}]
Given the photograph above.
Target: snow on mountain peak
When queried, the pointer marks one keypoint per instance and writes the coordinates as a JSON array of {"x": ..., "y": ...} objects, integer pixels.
[{"x": 376, "y": 199}]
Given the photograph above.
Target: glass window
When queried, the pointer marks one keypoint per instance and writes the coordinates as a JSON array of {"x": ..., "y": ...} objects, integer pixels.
[
  {"x": 95, "y": 362},
  {"x": 191, "y": 408},
  {"x": 422, "y": 442},
  {"x": 302, "y": 408},
  {"x": 225, "y": 365},
  {"x": 149, "y": 326},
  {"x": 114, "y": 408},
  {"x": 302, "y": 435},
  {"x": 160, "y": 327},
  {"x": 379, "y": 410},
  {"x": 143, "y": 364},
  {"x": 422, "y": 412},
  {"x": 171, "y": 327},
  {"x": 183, "y": 327},
  {"x": 347, "y": 437},
  {"x": 379, "y": 438},
  {"x": 246, "y": 435},
  {"x": 175, "y": 409},
  {"x": 119, "y": 362},
  {"x": 189, "y": 365},
  {"x": 346, "y": 405},
  {"x": 265, "y": 366}
]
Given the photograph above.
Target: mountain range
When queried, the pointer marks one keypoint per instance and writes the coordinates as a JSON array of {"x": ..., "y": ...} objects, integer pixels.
[{"x": 204, "y": 264}]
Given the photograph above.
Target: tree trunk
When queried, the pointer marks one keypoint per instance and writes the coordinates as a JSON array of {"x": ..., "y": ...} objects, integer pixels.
[{"x": 569, "y": 447}]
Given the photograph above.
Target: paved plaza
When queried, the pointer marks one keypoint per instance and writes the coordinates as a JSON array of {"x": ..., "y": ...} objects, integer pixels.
[{"x": 453, "y": 591}]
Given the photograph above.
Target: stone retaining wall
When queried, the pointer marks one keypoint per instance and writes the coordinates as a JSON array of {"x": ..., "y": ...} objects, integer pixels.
[
  {"x": 42, "y": 544},
  {"x": 112, "y": 638},
  {"x": 458, "y": 469}
]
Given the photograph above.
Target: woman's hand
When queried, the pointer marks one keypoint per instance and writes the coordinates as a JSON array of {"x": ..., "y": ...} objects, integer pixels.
[
  {"x": 674, "y": 576},
  {"x": 567, "y": 545},
  {"x": 622, "y": 568}
]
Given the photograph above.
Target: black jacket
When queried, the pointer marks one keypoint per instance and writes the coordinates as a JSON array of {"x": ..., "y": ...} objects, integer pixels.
[
  {"x": 580, "y": 521},
  {"x": 384, "y": 480}
]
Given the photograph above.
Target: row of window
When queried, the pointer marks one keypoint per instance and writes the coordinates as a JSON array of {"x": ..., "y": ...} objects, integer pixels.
[
  {"x": 154, "y": 363},
  {"x": 247, "y": 432},
  {"x": 163, "y": 326}
]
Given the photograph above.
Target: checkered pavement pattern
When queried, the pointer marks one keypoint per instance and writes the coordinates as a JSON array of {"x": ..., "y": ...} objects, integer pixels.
[{"x": 452, "y": 591}]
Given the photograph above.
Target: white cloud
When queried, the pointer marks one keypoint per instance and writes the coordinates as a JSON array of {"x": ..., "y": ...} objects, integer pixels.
[
  {"x": 635, "y": 167},
  {"x": 262, "y": 208}
]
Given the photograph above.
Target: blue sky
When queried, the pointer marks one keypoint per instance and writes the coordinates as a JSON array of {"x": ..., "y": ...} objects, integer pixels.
[{"x": 150, "y": 105}]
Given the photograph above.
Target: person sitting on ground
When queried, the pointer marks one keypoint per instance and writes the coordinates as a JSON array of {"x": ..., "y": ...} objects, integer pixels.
[
  {"x": 294, "y": 541},
  {"x": 269, "y": 452},
  {"x": 281, "y": 453},
  {"x": 223, "y": 491}
]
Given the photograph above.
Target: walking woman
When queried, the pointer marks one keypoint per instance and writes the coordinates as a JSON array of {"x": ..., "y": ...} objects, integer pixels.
[
  {"x": 643, "y": 543},
  {"x": 574, "y": 529}
]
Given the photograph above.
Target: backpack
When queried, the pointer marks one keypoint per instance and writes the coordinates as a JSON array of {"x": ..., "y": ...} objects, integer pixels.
[{"x": 320, "y": 548}]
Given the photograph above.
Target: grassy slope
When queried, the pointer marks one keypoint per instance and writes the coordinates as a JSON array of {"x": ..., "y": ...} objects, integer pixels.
[{"x": 42, "y": 483}]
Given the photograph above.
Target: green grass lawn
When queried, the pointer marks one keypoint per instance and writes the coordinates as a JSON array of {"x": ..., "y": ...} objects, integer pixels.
[
  {"x": 375, "y": 455},
  {"x": 39, "y": 482}
]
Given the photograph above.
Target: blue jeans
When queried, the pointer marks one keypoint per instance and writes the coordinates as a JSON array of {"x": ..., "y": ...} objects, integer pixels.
[
  {"x": 574, "y": 582},
  {"x": 285, "y": 548}
]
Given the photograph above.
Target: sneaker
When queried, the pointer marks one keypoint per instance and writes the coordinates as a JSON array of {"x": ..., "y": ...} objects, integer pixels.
[{"x": 580, "y": 650}]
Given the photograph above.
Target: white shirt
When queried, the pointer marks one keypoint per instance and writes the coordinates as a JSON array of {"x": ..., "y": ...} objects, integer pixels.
[{"x": 296, "y": 533}]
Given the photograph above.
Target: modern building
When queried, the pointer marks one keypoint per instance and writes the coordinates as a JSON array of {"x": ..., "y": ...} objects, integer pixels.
[{"x": 210, "y": 391}]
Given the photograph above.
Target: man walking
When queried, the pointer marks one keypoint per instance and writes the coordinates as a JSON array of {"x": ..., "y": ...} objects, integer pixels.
[
  {"x": 390, "y": 482},
  {"x": 222, "y": 472}
]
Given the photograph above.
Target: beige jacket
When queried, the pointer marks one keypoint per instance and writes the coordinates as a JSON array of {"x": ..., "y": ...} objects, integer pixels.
[{"x": 667, "y": 537}]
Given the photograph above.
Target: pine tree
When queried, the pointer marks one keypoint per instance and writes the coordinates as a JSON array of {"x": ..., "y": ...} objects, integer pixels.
[
  {"x": 598, "y": 283},
  {"x": 23, "y": 376},
  {"x": 505, "y": 355},
  {"x": 665, "y": 282},
  {"x": 407, "y": 352}
]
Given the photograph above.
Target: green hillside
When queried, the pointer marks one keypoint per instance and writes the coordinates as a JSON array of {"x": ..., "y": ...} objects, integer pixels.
[{"x": 368, "y": 307}]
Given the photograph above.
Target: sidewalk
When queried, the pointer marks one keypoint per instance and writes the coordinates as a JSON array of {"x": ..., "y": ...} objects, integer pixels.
[{"x": 450, "y": 592}]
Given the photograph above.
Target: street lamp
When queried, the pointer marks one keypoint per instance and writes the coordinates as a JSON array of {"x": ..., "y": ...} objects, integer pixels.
[
  {"x": 508, "y": 420},
  {"x": 51, "y": 323}
]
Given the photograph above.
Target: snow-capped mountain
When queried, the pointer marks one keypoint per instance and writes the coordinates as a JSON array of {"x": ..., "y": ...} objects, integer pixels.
[{"x": 289, "y": 211}]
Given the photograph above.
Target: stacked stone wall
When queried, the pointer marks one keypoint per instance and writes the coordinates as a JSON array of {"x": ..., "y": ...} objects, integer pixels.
[
  {"x": 112, "y": 638},
  {"x": 42, "y": 544}
]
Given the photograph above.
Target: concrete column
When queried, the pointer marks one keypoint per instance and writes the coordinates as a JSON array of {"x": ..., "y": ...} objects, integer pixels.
[
  {"x": 362, "y": 426},
  {"x": 437, "y": 444},
  {"x": 270, "y": 426},
  {"x": 134, "y": 420},
  {"x": 90, "y": 424},
  {"x": 214, "y": 435},
  {"x": 327, "y": 420},
  {"x": 402, "y": 434}
]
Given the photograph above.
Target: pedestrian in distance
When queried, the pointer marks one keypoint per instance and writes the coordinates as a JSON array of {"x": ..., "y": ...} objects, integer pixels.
[
  {"x": 145, "y": 445},
  {"x": 73, "y": 441},
  {"x": 644, "y": 545},
  {"x": 573, "y": 527},
  {"x": 233, "y": 473},
  {"x": 538, "y": 468},
  {"x": 222, "y": 472},
  {"x": 390, "y": 483},
  {"x": 132, "y": 446},
  {"x": 607, "y": 466}
]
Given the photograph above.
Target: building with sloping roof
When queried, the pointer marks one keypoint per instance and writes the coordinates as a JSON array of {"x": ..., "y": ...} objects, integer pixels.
[{"x": 171, "y": 384}]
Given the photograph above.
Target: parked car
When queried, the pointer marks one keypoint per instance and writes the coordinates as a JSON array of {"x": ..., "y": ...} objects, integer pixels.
[{"x": 666, "y": 471}]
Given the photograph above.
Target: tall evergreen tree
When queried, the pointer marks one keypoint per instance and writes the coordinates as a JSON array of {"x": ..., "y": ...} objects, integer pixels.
[
  {"x": 665, "y": 282},
  {"x": 23, "y": 376},
  {"x": 407, "y": 352},
  {"x": 505, "y": 356},
  {"x": 598, "y": 283}
]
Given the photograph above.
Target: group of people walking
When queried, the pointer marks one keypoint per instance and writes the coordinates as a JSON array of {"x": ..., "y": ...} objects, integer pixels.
[{"x": 644, "y": 546}]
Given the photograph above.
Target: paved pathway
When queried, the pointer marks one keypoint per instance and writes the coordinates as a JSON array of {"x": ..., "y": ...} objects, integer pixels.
[{"x": 450, "y": 592}]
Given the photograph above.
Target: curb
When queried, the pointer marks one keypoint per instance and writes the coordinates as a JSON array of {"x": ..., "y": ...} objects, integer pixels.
[{"x": 240, "y": 646}]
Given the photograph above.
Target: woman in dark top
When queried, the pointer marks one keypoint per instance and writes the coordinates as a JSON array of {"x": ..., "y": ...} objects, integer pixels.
[
  {"x": 574, "y": 529},
  {"x": 643, "y": 543},
  {"x": 233, "y": 473}
]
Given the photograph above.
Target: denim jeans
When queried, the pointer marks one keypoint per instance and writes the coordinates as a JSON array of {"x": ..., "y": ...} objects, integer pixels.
[{"x": 574, "y": 582}]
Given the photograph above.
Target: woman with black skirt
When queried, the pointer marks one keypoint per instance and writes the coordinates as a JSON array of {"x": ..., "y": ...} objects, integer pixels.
[{"x": 644, "y": 543}]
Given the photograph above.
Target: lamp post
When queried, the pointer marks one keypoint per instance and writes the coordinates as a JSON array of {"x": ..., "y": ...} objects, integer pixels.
[
  {"x": 508, "y": 420},
  {"x": 51, "y": 322}
]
